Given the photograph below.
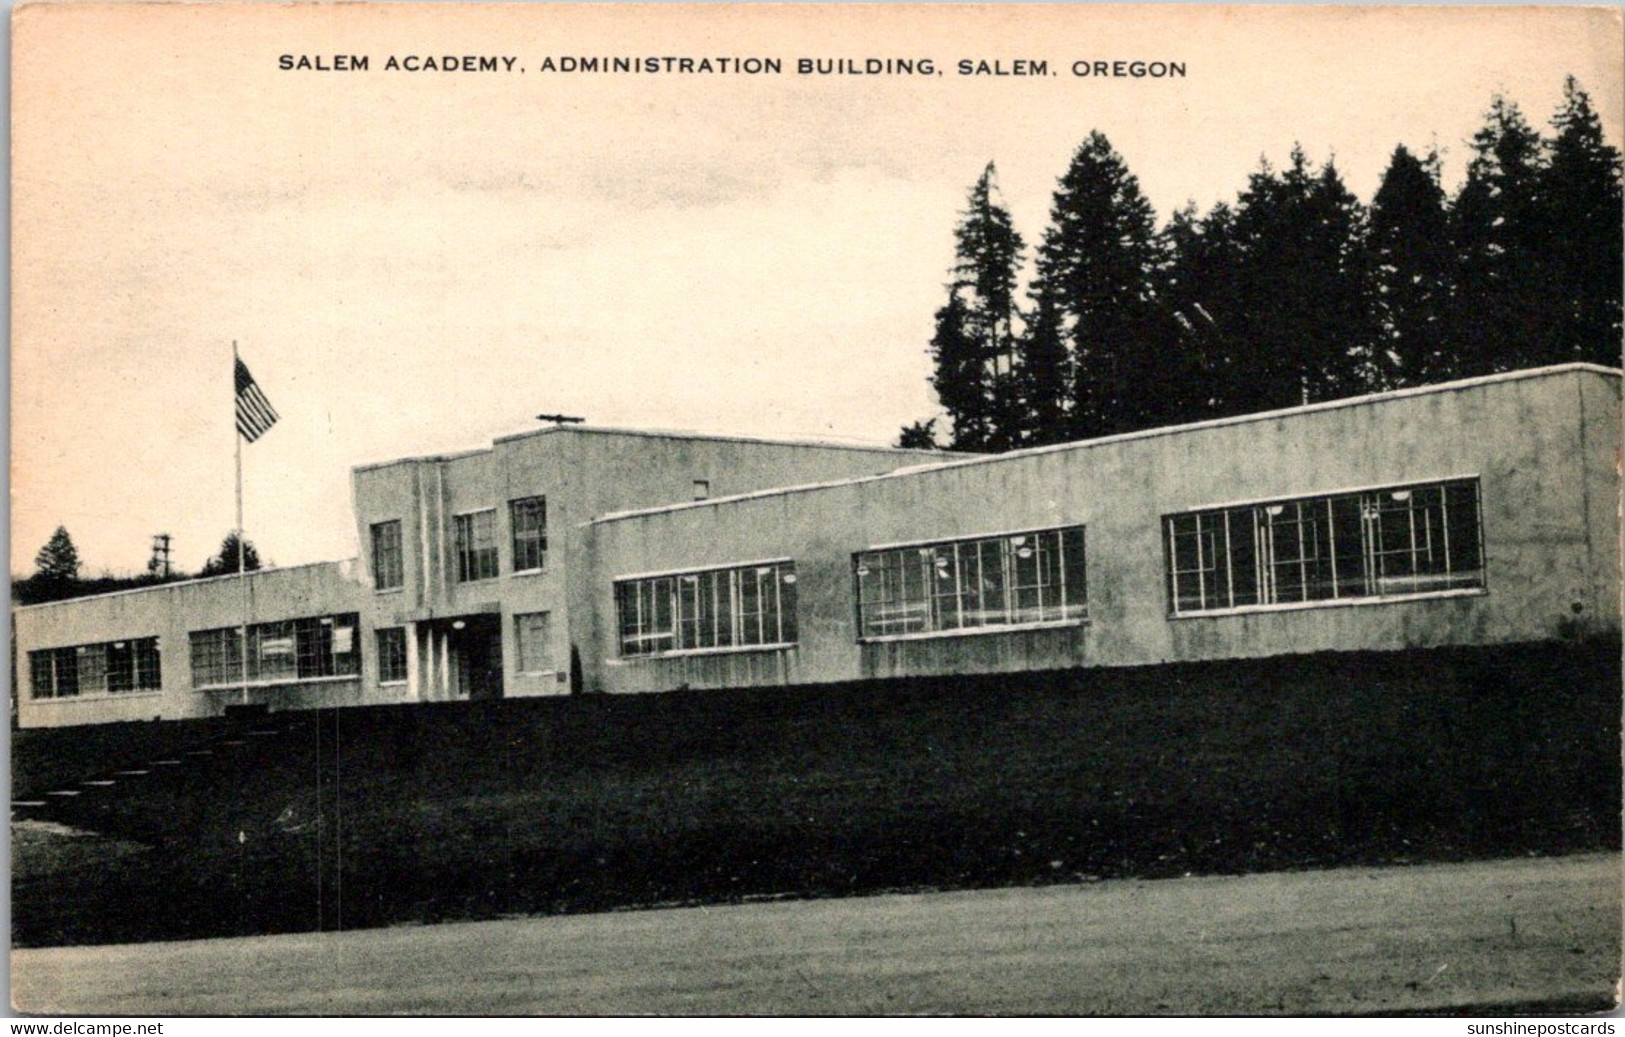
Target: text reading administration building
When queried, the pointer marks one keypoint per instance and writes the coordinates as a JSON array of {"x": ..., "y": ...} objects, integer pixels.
[{"x": 1472, "y": 513}]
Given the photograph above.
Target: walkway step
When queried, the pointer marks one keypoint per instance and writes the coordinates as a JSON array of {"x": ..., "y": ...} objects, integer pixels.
[
  {"x": 99, "y": 784},
  {"x": 166, "y": 763},
  {"x": 64, "y": 792},
  {"x": 234, "y": 741},
  {"x": 27, "y": 803},
  {"x": 130, "y": 774}
]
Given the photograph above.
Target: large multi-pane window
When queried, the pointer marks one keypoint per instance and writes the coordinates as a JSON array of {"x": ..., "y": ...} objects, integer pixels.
[
  {"x": 740, "y": 607},
  {"x": 109, "y": 668},
  {"x": 391, "y": 655},
  {"x": 534, "y": 632},
  {"x": 529, "y": 520},
  {"x": 985, "y": 582},
  {"x": 476, "y": 543},
  {"x": 1371, "y": 544},
  {"x": 279, "y": 652},
  {"x": 387, "y": 571}
]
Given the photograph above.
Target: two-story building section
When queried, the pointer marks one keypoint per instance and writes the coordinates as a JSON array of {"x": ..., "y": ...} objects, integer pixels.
[{"x": 459, "y": 591}]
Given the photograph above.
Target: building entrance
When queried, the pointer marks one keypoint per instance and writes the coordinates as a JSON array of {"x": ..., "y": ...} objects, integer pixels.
[{"x": 476, "y": 657}]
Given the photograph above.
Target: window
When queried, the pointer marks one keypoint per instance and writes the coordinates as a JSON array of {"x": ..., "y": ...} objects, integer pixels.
[
  {"x": 392, "y": 655},
  {"x": 702, "y": 489},
  {"x": 109, "y": 668},
  {"x": 476, "y": 546},
  {"x": 280, "y": 652},
  {"x": 387, "y": 572},
  {"x": 1400, "y": 540},
  {"x": 746, "y": 606},
  {"x": 987, "y": 582},
  {"x": 529, "y": 520},
  {"x": 533, "y": 630}
]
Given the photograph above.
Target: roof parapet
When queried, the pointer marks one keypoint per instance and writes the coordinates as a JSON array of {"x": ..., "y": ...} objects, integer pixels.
[{"x": 1153, "y": 433}]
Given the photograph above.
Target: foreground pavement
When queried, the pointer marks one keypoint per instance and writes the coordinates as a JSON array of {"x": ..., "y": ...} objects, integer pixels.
[{"x": 1361, "y": 940}]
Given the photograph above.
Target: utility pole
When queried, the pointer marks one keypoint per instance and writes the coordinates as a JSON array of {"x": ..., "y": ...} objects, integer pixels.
[{"x": 159, "y": 564}]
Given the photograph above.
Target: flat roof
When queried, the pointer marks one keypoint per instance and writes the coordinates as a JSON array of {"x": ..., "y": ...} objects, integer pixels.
[
  {"x": 1153, "y": 433},
  {"x": 830, "y": 443},
  {"x": 172, "y": 584}
]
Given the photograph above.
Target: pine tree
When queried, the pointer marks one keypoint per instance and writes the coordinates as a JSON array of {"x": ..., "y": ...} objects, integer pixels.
[
  {"x": 1196, "y": 290},
  {"x": 921, "y": 435},
  {"x": 975, "y": 344},
  {"x": 1305, "y": 314},
  {"x": 1498, "y": 316},
  {"x": 226, "y": 561},
  {"x": 960, "y": 375},
  {"x": 1043, "y": 378},
  {"x": 1581, "y": 217},
  {"x": 58, "y": 561},
  {"x": 1094, "y": 273},
  {"x": 1414, "y": 260}
]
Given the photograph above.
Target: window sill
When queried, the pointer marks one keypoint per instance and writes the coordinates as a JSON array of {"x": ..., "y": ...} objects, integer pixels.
[
  {"x": 536, "y": 673},
  {"x": 1298, "y": 606},
  {"x": 482, "y": 579},
  {"x": 119, "y": 696},
  {"x": 684, "y": 653},
  {"x": 392, "y": 684},
  {"x": 529, "y": 572},
  {"x": 389, "y": 590},
  {"x": 291, "y": 681},
  {"x": 1009, "y": 628}
]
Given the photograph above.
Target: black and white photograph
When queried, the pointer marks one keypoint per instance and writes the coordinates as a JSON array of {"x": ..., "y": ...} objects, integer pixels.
[{"x": 815, "y": 510}]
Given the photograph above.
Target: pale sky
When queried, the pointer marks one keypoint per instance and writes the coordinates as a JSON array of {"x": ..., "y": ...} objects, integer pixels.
[{"x": 417, "y": 262}]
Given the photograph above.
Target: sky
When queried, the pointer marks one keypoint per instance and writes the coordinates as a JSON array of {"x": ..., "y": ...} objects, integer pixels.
[{"x": 415, "y": 262}]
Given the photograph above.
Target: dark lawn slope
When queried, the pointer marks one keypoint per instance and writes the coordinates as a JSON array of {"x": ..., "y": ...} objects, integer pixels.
[
  {"x": 427, "y": 813},
  {"x": 49, "y": 758}
]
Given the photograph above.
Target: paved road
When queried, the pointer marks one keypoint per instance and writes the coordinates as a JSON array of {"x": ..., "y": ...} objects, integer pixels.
[{"x": 1347, "y": 941}]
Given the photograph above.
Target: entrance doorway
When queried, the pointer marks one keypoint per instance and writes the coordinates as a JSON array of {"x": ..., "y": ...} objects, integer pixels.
[{"x": 475, "y": 643}]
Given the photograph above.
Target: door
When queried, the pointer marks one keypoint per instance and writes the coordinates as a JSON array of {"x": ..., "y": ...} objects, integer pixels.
[{"x": 478, "y": 648}]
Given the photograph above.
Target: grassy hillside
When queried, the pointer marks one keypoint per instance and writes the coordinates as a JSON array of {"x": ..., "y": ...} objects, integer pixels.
[
  {"x": 47, "y": 758},
  {"x": 389, "y": 815}
]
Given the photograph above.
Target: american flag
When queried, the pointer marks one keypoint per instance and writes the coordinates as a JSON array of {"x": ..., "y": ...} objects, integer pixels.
[{"x": 255, "y": 415}]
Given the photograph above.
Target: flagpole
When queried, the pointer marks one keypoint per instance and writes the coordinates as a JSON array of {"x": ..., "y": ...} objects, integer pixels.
[{"x": 242, "y": 569}]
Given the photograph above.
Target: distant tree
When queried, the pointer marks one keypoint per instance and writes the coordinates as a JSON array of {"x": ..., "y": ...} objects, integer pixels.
[
  {"x": 58, "y": 561},
  {"x": 988, "y": 253},
  {"x": 1305, "y": 302},
  {"x": 975, "y": 344},
  {"x": 1498, "y": 320},
  {"x": 1196, "y": 290},
  {"x": 960, "y": 374},
  {"x": 1582, "y": 215},
  {"x": 921, "y": 435},
  {"x": 1093, "y": 277},
  {"x": 1413, "y": 271},
  {"x": 226, "y": 561},
  {"x": 1043, "y": 377}
]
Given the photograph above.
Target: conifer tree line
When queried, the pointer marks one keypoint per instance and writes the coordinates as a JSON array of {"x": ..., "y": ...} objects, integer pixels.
[
  {"x": 58, "y": 573},
  {"x": 1296, "y": 292}
]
